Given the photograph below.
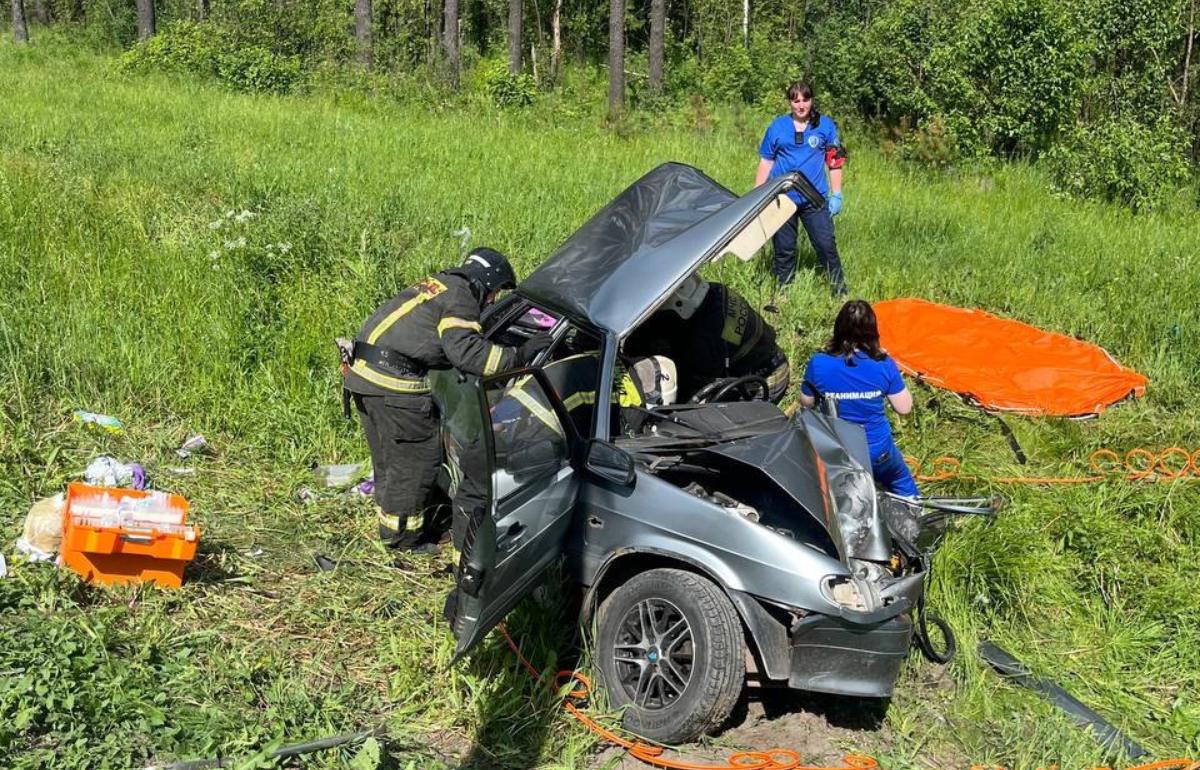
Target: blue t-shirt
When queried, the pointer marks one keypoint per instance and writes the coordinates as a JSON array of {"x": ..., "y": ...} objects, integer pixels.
[
  {"x": 859, "y": 391},
  {"x": 808, "y": 156}
]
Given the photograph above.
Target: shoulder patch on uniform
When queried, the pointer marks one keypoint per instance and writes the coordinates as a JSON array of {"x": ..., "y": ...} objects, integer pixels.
[{"x": 431, "y": 287}]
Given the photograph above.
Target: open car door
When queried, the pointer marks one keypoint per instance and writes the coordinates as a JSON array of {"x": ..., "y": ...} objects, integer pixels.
[{"x": 508, "y": 445}]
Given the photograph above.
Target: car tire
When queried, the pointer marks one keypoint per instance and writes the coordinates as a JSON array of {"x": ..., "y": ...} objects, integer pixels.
[{"x": 671, "y": 654}]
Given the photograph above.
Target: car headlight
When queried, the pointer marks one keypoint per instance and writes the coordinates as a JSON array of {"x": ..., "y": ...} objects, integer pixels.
[{"x": 852, "y": 593}]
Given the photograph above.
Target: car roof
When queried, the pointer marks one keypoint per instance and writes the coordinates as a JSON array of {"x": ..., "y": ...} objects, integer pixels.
[{"x": 621, "y": 264}]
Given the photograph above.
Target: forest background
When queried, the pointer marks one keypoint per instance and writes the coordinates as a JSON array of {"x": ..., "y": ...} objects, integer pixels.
[{"x": 1105, "y": 92}]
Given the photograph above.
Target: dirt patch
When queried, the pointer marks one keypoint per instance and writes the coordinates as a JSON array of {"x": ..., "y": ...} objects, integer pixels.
[{"x": 821, "y": 728}]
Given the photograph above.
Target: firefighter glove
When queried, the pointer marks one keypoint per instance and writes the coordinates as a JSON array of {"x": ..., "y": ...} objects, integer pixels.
[{"x": 532, "y": 346}]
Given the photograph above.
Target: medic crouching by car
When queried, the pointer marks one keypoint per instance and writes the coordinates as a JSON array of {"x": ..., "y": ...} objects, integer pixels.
[
  {"x": 433, "y": 324},
  {"x": 712, "y": 333}
]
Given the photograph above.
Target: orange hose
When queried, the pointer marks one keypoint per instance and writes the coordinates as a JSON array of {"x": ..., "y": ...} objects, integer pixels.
[
  {"x": 1139, "y": 464},
  {"x": 770, "y": 759}
]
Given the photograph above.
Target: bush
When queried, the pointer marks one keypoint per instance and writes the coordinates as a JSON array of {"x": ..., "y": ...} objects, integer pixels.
[
  {"x": 1123, "y": 161},
  {"x": 258, "y": 70},
  {"x": 208, "y": 50},
  {"x": 507, "y": 89}
]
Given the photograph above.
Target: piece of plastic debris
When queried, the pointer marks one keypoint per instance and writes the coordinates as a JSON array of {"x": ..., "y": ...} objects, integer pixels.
[
  {"x": 464, "y": 233},
  {"x": 3, "y": 567},
  {"x": 32, "y": 553},
  {"x": 102, "y": 421},
  {"x": 178, "y": 471},
  {"x": 255, "y": 553},
  {"x": 324, "y": 563},
  {"x": 193, "y": 445},
  {"x": 305, "y": 495},
  {"x": 107, "y": 471},
  {"x": 339, "y": 475},
  {"x": 365, "y": 488},
  {"x": 43, "y": 530}
]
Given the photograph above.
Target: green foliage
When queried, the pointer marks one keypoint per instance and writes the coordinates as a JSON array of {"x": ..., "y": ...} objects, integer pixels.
[
  {"x": 506, "y": 89},
  {"x": 1122, "y": 161},
  {"x": 210, "y": 51},
  {"x": 1012, "y": 80}
]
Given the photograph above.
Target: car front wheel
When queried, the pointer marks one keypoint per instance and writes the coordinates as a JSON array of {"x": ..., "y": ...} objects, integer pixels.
[{"x": 671, "y": 653}]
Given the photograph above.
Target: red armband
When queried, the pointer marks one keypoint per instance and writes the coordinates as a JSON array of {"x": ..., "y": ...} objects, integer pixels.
[{"x": 835, "y": 157}]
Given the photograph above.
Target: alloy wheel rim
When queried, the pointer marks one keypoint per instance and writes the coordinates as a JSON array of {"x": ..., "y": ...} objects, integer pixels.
[{"x": 654, "y": 654}]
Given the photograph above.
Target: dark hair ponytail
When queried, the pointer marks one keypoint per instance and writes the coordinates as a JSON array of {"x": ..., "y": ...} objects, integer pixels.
[{"x": 855, "y": 329}]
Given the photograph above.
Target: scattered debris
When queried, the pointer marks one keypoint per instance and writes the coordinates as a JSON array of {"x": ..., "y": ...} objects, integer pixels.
[
  {"x": 107, "y": 471},
  {"x": 43, "y": 530},
  {"x": 366, "y": 488},
  {"x": 102, "y": 421},
  {"x": 180, "y": 471},
  {"x": 324, "y": 563},
  {"x": 306, "y": 495},
  {"x": 1011, "y": 668},
  {"x": 339, "y": 475},
  {"x": 193, "y": 445}
]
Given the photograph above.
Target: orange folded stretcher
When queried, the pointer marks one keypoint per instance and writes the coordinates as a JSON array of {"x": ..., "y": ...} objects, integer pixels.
[{"x": 1001, "y": 364}]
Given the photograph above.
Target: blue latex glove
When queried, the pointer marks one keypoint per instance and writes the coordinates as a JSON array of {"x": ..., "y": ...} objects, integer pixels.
[{"x": 835, "y": 204}]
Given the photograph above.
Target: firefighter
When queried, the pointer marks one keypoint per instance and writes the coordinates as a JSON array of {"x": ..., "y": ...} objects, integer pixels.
[
  {"x": 433, "y": 324},
  {"x": 712, "y": 333}
]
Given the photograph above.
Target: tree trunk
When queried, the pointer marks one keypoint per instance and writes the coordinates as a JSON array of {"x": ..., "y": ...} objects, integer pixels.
[
  {"x": 556, "y": 37},
  {"x": 20, "y": 28},
  {"x": 450, "y": 43},
  {"x": 76, "y": 13},
  {"x": 145, "y": 19},
  {"x": 746, "y": 23},
  {"x": 201, "y": 10},
  {"x": 41, "y": 11},
  {"x": 362, "y": 33},
  {"x": 616, "y": 57},
  {"x": 658, "y": 12},
  {"x": 514, "y": 36}
]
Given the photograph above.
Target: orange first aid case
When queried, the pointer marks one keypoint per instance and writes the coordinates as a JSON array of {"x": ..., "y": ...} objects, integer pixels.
[{"x": 106, "y": 548}]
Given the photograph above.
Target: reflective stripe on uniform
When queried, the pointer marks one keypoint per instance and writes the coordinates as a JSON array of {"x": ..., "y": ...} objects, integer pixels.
[
  {"x": 579, "y": 399},
  {"x": 398, "y": 384},
  {"x": 544, "y": 415},
  {"x": 493, "y": 360},
  {"x": 457, "y": 323},
  {"x": 427, "y": 290},
  {"x": 398, "y": 523},
  {"x": 777, "y": 376}
]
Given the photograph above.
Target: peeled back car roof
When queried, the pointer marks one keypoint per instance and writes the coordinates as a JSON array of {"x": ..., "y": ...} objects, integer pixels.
[{"x": 618, "y": 267}]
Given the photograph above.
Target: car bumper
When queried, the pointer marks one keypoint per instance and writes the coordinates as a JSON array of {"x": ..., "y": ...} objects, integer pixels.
[{"x": 830, "y": 655}]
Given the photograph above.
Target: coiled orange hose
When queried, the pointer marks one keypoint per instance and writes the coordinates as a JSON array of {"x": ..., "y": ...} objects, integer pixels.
[{"x": 1139, "y": 464}]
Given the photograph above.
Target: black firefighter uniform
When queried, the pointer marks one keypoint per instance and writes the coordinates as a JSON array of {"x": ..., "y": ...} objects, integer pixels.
[{"x": 433, "y": 324}]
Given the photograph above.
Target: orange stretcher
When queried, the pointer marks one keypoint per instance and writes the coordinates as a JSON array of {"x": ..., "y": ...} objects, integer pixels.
[{"x": 1003, "y": 365}]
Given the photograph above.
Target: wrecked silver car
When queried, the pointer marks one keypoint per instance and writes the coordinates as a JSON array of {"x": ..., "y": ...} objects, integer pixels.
[{"x": 701, "y": 531}]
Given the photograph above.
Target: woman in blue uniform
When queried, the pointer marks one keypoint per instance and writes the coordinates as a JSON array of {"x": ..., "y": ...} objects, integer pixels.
[{"x": 859, "y": 376}]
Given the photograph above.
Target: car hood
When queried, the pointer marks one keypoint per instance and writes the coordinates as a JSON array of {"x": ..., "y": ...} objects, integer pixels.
[
  {"x": 822, "y": 462},
  {"x": 620, "y": 265}
]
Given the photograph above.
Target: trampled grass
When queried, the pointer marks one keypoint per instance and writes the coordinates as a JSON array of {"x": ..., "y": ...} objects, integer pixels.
[{"x": 181, "y": 257}]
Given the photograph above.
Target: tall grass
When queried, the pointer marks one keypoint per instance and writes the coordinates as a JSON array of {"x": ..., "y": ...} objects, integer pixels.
[{"x": 181, "y": 257}]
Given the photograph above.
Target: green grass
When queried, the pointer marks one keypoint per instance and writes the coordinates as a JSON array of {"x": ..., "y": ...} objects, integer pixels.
[{"x": 129, "y": 286}]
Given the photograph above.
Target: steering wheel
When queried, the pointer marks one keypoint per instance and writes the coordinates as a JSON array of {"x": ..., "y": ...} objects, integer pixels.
[{"x": 751, "y": 386}]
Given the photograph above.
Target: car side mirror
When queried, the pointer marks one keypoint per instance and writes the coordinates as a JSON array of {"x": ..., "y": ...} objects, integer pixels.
[{"x": 605, "y": 460}]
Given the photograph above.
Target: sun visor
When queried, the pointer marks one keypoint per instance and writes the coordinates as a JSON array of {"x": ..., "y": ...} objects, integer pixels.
[{"x": 757, "y": 233}]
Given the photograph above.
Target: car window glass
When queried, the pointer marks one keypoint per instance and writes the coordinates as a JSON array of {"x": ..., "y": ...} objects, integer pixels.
[{"x": 530, "y": 440}]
